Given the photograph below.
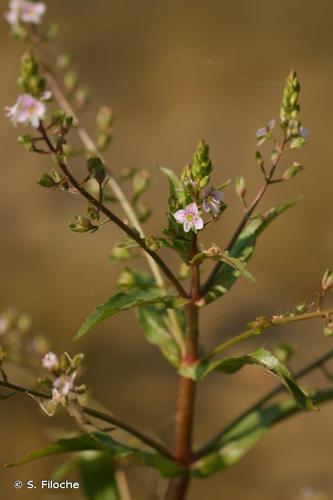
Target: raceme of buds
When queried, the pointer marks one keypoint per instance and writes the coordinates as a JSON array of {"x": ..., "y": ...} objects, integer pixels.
[
  {"x": 327, "y": 281},
  {"x": 290, "y": 108},
  {"x": 30, "y": 80},
  {"x": 24, "y": 11},
  {"x": 201, "y": 165},
  {"x": 189, "y": 218},
  {"x": 240, "y": 187},
  {"x": 82, "y": 225}
]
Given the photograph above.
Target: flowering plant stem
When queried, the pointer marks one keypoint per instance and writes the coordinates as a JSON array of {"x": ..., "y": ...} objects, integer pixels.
[{"x": 187, "y": 388}]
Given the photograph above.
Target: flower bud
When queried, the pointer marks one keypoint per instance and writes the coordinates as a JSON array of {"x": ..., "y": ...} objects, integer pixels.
[
  {"x": 201, "y": 166},
  {"x": 327, "y": 281},
  {"x": 63, "y": 61},
  {"x": 46, "y": 181},
  {"x": 104, "y": 118},
  {"x": 240, "y": 186},
  {"x": 82, "y": 225},
  {"x": 292, "y": 171},
  {"x": 152, "y": 243},
  {"x": 126, "y": 279}
]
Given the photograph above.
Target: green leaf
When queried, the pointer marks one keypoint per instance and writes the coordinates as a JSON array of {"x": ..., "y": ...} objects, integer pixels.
[
  {"x": 229, "y": 446},
  {"x": 104, "y": 443},
  {"x": 243, "y": 249},
  {"x": 121, "y": 301},
  {"x": 175, "y": 186},
  {"x": 97, "y": 477},
  {"x": 153, "y": 321},
  {"x": 261, "y": 357}
]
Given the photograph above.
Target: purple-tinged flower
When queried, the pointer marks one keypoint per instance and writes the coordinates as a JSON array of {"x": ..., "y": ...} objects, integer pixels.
[
  {"x": 263, "y": 133},
  {"x": 212, "y": 200},
  {"x": 64, "y": 384},
  {"x": 303, "y": 132},
  {"x": 27, "y": 110},
  {"x": 50, "y": 361},
  {"x": 25, "y": 11},
  {"x": 190, "y": 218}
]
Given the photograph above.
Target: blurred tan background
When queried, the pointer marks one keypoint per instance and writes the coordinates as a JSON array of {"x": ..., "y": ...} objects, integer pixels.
[{"x": 175, "y": 72}]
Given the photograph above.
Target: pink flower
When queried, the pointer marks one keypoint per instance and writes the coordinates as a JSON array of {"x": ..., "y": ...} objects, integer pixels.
[
  {"x": 64, "y": 384},
  {"x": 190, "y": 218},
  {"x": 50, "y": 361},
  {"x": 22, "y": 10},
  {"x": 27, "y": 110}
]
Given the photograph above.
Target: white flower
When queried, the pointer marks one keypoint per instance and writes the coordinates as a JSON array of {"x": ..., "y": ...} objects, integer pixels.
[
  {"x": 50, "y": 361},
  {"x": 25, "y": 11},
  {"x": 27, "y": 110}
]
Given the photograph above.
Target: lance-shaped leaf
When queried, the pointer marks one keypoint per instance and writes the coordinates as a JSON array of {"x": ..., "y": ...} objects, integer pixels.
[
  {"x": 243, "y": 249},
  {"x": 261, "y": 357},
  {"x": 176, "y": 188},
  {"x": 115, "y": 450},
  {"x": 121, "y": 301},
  {"x": 153, "y": 320},
  {"x": 229, "y": 446}
]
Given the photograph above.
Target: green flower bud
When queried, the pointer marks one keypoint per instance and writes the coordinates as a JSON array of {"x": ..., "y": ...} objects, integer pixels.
[
  {"x": 186, "y": 173},
  {"x": 96, "y": 168},
  {"x": 77, "y": 360},
  {"x": 26, "y": 141},
  {"x": 297, "y": 143},
  {"x": 328, "y": 330},
  {"x": 103, "y": 140},
  {"x": 284, "y": 352},
  {"x": 126, "y": 279},
  {"x": 47, "y": 181},
  {"x": 82, "y": 225},
  {"x": 104, "y": 118},
  {"x": 201, "y": 166},
  {"x": 70, "y": 81},
  {"x": 240, "y": 186},
  {"x": 120, "y": 253},
  {"x": 290, "y": 107},
  {"x": 259, "y": 159},
  {"x": 327, "y": 281},
  {"x": 292, "y": 171},
  {"x": 141, "y": 182},
  {"x": 153, "y": 243},
  {"x": 63, "y": 61}
]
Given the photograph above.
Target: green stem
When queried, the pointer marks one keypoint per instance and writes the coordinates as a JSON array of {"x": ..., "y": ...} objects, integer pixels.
[{"x": 266, "y": 324}]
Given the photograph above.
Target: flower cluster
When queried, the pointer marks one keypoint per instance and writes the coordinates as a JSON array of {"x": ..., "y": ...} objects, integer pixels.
[
  {"x": 28, "y": 110},
  {"x": 25, "y": 11},
  {"x": 62, "y": 385},
  {"x": 190, "y": 216}
]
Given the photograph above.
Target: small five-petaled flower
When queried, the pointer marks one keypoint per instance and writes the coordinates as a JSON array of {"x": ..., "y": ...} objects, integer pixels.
[{"x": 190, "y": 218}]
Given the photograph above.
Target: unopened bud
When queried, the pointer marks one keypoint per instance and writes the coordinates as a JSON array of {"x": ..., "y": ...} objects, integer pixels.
[
  {"x": 82, "y": 225},
  {"x": 104, "y": 118},
  {"x": 327, "y": 281},
  {"x": 47, "y": 181},
  {"x": 293, "y": 170},
  {"x": 63, "y": 61},
  {"x": 240, "y": 186}
]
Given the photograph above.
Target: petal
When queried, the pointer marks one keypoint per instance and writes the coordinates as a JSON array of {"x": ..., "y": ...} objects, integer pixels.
[
  {"x": 187, "y": 226},
  {"x": 198, "y": 222},
  {"x": 261, "y": 131},
  {"x": 180, "y": 216},
  {"x": 206, "y": 206},
  {"x": 192, "y": 209}
]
